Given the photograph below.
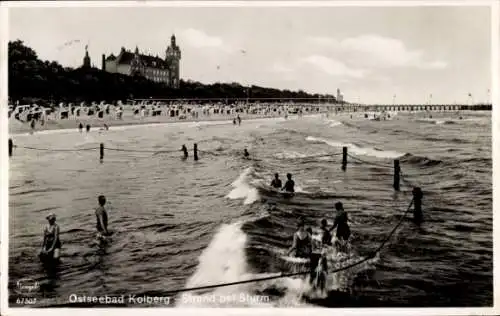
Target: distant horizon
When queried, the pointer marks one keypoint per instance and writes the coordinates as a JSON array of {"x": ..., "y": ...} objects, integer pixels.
[{"x": 400, "y": 55}]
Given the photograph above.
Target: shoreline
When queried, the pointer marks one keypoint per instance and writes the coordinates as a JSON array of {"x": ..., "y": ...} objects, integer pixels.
[{"x": 95, "y": 123}]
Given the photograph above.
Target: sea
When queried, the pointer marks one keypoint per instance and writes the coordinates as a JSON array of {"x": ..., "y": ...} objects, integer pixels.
[{"x": 181, "y": 224}]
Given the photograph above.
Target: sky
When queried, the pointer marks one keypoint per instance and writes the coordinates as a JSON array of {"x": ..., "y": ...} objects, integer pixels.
[{"x": 372, "y": 54}]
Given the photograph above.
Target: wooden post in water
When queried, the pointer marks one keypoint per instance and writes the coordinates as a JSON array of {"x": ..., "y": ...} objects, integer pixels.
[
  {"x": 11, "y": 147},
  {"x": 195, "y": 152},
  {"x": 417, "y": 205},
  {"x": 344, "y": 158},
  {"x": 101, "y": 152},
  {"x": 397, "y": 172}
]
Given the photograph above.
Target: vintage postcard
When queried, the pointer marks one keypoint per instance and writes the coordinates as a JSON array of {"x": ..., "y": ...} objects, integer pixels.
[{"x": 249, "y": 157}]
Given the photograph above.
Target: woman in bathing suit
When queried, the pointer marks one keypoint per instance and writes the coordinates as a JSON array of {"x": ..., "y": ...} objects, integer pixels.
[
  {"x": 302, "y": 242},
  {"x": 51, "y": 246}
]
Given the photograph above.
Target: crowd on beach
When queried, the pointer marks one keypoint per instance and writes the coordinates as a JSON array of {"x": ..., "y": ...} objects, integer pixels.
[{"x": 35, "y": 114}]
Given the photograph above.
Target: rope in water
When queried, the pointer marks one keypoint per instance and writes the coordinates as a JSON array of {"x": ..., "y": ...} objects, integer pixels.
[
  {"x": 281, "y": 275},
  {"x": 285, "y": 275}
]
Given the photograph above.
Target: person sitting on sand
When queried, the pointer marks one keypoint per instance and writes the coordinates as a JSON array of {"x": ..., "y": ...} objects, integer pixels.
[
  {"x": 276, "y": 183},
  {"x": 51, "y": 246},
  {"x": 290, "y": 184},
  {"x": 102, "y": 217}
]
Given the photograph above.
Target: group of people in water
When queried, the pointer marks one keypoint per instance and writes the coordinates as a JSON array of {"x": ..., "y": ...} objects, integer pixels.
[
  {"x": 289, "y": 186},
  {"x": 51, "y": 245}
]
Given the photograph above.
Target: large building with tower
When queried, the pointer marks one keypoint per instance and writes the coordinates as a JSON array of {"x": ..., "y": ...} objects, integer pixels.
[{"x": 165, "y": 70}]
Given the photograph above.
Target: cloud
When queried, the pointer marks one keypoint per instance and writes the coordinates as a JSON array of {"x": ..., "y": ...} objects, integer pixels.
[
  {"x": 318, "y": 63},
  {"x": 332, "y": 67},
  {"x": 282, "y": 68},
  {"x": 374, "y": 51},
  {"x": 199, "y": 39}
]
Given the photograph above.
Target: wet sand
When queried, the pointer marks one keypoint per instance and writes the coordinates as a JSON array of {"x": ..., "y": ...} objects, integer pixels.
[{"x": 18, "y": 127}]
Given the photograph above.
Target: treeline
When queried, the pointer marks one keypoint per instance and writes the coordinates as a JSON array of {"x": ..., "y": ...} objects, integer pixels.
[{"x": 31, "y": 79}]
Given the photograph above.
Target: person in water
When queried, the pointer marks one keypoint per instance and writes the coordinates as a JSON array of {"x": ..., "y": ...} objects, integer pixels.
[
  {"x": 80, "y": 127},
  {"x": 343, "y": 230},
  {"x": 290, "y": 184},
  {"x": 185, "y": 151},
  {"x": 239, "y": 119},
  {"x": 326, "y": 238},
  {"x": 88, "y": 128},
  {"x": 302, "y": 242},
  {"x": 246, "y": 153},
  {"x": 234, "y": 121},
  {"x": 276, "y": 183},
  {"x": 102, "y": 217},
  {"x": 51, "y": 246},
  {"x": 106, "y": 127}
]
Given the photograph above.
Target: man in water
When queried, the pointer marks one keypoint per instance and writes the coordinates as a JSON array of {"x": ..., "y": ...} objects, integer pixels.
[
  {"x": 290, "y": 184},
  {"x": 343, "y": 230},
  {"x": 276, "y": 183},
  {"x": 102, "y": 218},
  {"x": 185, "y": 151},
  {"x": 80, "y": 127},
  {"x": 246, "y": 153},
  {"x": 239, "y": 119},
  {"x": 88, "y": 128}
]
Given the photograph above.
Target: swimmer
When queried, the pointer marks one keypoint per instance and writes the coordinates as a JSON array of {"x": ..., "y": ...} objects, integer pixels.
[
  {"x": 51, "y": 246},
  {"x": 102, "y": 218},
  {"x": 185, "y": 151},
  {"x": 276, "y": 183},
  {"x": 290, "y": 184},
  {"x": 246, "y": 153},
  {"x": 80, "y": 127},
  {"x": 343, "y": 230}
]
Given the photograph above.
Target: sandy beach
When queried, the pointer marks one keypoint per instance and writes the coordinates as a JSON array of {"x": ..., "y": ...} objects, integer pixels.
[{"x": 17, "y": 127}]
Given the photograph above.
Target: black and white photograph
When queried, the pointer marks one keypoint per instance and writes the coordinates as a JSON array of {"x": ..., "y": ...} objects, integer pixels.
[{"x": 258, "y": 156}]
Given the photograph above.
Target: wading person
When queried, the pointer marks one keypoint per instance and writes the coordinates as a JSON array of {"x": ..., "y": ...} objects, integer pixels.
[
  {"x": 51, "y": 246},
  {"x": 326, "y": 238},
  {"x": 343, "y": 230},
  {"x": 102, "y": 218},
  {"x": 185, "y": 151},
  {"x": 80, "y": 127},
  {"x": 302, "y": 242},
  {"x": 289, "y": 184},
  {"x": 276, "y": 183}
]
